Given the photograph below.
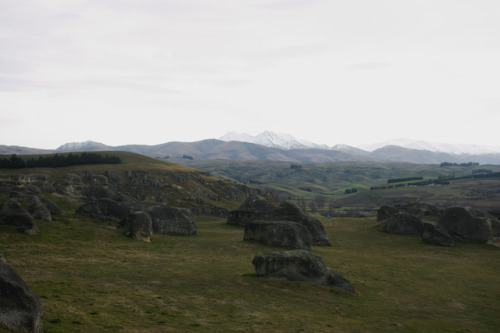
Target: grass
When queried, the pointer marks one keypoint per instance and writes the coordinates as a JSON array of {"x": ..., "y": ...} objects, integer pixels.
[{"x": 91, "y": 278}]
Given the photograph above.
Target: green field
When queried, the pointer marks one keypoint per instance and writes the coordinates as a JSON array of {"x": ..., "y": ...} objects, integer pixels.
[{"x": 91, "y": 278}]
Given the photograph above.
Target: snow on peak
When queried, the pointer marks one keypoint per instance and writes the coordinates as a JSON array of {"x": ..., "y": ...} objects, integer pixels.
[
  {"x": 85, "y": 145},
  {"x": 271, "y": 139}
]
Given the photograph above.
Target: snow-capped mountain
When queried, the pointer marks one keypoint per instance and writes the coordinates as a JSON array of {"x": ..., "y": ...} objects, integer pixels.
[
  {"x": 434, "y": 146},
  {"x": 271, "y": 139},
  {"x": 83, "y": 146}
]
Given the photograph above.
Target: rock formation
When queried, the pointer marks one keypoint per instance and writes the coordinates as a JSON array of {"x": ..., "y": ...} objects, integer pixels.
[
  {"x": 106, "y": 209},
  {"x": 171, "y": 220},
  {"x": 138, "y": 226},
  {"x": 402, "y": 223},
  {"x": 299, "y": 265},
  {"x": 434, "y": 233},
  {"x": 20, "y": 307},
  {"x": 463, "y": 223},
  {"x": 279, "y": 233},
  {"x": 13, "y": 213}
]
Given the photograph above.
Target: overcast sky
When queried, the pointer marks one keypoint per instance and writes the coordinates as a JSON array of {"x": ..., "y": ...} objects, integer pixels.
[{"x": 332, "y": 71}]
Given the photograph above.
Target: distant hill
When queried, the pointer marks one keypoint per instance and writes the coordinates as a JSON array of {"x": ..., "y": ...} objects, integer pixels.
[{"x": 246, "y": 151}]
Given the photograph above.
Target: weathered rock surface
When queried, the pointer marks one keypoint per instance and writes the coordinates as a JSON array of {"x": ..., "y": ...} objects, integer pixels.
[
  {"x": 138, "y": 225},
  {"x": 279, "y": 233},
  {"x": 106, "y": 209},
  {"x": 299, "y": 265},
  {"x": 20, "y": 307},
  {"x": 434, "y": 233},
  {"x": 463, "y": 223},
  {"x": 13, "y": 213},
  {"x": 254, "y": 208},
  {"x": 385, "y": 211},
  {"x": 290, "y": 211},
  {"x": 38, "y": 210},
  {"x": 171, "y": 220},
  {"x": 262, "y": 209},
  {"x": 402, "y": 223}
]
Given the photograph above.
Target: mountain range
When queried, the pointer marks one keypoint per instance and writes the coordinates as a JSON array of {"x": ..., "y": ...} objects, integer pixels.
[{"x": 284, "y": 147}]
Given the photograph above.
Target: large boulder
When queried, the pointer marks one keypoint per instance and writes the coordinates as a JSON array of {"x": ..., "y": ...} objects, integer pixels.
[
  {"x": 463, "y": 223},
  {"x": 38, "y": 210},
  {"x": 13, "y": 213},
  {"x": 172, "y": 220},
  {"x": 254, "y": 208},
  {"x": 418, "y": 208},
  {"x": 299, "y": 265},
  {"x": 138, "y": 226},
  {"x": 385, "y": 211},
  {"x": 106, "y": 209},
  {"x": 279, "y": 233},
  {"x": 290, "y": 211},
  {"x": 402, "y": 223},
  {"x": 20, "y": 307},
  {"x": 434, "y": 233}
]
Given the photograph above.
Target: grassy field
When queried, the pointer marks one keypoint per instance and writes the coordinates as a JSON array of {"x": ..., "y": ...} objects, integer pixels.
[{"x": 91, "y": 278}]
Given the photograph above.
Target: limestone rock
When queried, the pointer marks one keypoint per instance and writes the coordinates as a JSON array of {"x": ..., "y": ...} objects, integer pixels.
[
  {"x": 12, "y": 213},
  {"x": 279, "y": 233},
  {"x": 434, "y": 233},
  {"x": 402, "y": 223},
  {"x": 20, "y": 307},
  {"x": 254, "y": 208},
  {"x": 138, "y": 226},
  {"x": 463, "y": 223},
  {"x": 171, "y": 220},
  {"x": 106, "y": 209},
  {"x": 385, "y": 211},
  {"x": 299, "y": 265}
]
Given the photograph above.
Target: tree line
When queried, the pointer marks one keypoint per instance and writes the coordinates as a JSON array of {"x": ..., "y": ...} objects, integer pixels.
[{"x": 57, "y": 161}]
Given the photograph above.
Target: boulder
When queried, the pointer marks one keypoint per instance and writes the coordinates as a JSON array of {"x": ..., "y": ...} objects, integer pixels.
[
  {"x": 418, "y": 208},
  {"x": 290, "y": 211},
  {"x": 463, "y": 223},
  {"x": 279, "y": 233},
  {"x": 38, "y": 210},
  {"x": 434, "y": 233},
  {"x": 20, "y": 307},
  {"x": 52, "y": 207},
  {"x": 385, "y": 211},
  {"x": 299, "y": 265},
  {"x": 254, "y": 208},
  {"x": 171, "y": 220},
  {"x": 106, "y": 209},
  {"x": 138, "y": 226},
  {"x": 402, "y": 223},
  {"x": 13, "y": 213}
]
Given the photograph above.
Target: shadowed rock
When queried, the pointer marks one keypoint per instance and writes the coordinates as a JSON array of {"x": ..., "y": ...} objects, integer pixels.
[
  {"x": 254, "y": 208},
  {"x": 434, "y": 233},
  {"x": 463, "y": 223},
  {"x": 290, "y": 211},
  {"x": 138, "y": 226},
  {"x": 402, "y": 223},
  {"x": 299, "y": 265},
  {"x": 385, "y": 211},
  {"x": 279, "y": 233},
  {"x": 20, "y": 307},
  {"x": 12, "y": 213},
  {"x": 171, "y": 220},
  {"x": 106, "y": 209}
]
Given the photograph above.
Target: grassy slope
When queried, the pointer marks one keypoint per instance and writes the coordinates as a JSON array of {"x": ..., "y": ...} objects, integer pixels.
[{"x": 91, "y": 278}]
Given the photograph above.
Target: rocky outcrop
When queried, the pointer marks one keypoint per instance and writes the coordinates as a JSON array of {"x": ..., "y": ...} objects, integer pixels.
[
  {"x": 385, "y": 211},
  {"x": 299, "y": 265},
  {"x": 290, "y": 211},
  {"x": 463, "y": 223},
  {"x": 138, "y": 226},
  {"x": 106, "y": 209},
  {"x": 171, "y": 220},
  {"x": 13, "y": 213},
  {"x": 20, "y": 307},
  {"x": 279, "y": 233},
  {"x": 262, "y": 209},
  {"x": 435, "y": 234},
  {"x": 402, "y": 223},
  {"x": 418, "y": 208}
]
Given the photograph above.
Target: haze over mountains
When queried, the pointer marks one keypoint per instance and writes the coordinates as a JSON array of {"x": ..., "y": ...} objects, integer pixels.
[{"x": 284, "y": 147}]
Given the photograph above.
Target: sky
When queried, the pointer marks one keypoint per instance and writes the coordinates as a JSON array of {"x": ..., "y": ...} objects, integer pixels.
[{"x": 327, "y": 71}]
